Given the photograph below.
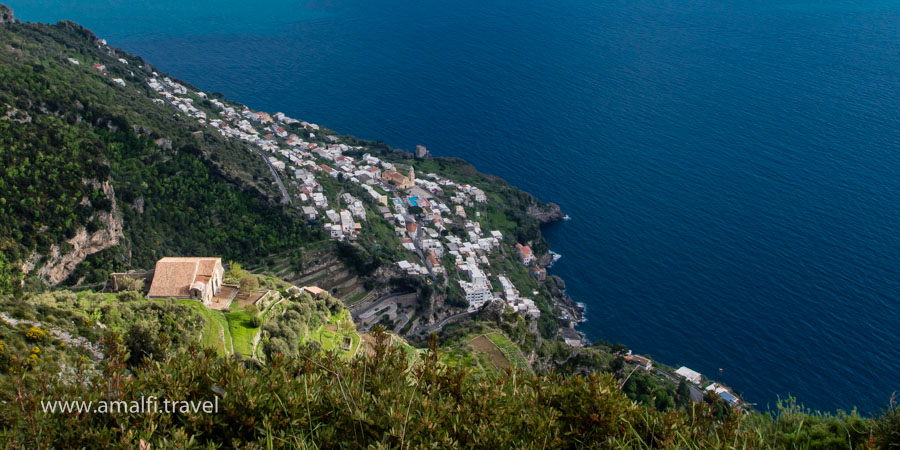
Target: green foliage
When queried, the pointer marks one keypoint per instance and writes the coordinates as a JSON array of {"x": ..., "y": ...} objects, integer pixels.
[
  {"x": 249, "y": 282},
  {"x": 356, "y": 258},
  {"x": 302, "y": 317},
  {"x": 887, "y": 428},
  {"x": 142, "y": 343},
  {"x": 319, "y": 400},
  {"x": 70, "y": 130}
]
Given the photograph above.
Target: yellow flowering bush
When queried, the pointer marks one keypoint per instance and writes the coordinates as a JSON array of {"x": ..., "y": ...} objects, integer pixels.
[{"x": 35, "y": 334}]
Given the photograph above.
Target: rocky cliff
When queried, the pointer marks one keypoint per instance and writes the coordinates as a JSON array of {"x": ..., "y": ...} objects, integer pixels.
[
  {"x": 61, "y": 261},
  {"x": 549, "y": 212},
  {"x": 6, "y": 15}
]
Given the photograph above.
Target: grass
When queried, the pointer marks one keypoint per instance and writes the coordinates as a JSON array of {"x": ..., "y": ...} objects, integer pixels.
[
  {"x": 468, "y": 360},
  {"x": 378, "y": 230},
  {"x": 215, "y": 333},
  {"x": 331, "y": 334},
  {"x": 223, "y": 322},
  {"x": 242, "y": 332},
  {"x": 211, "y": 336},
  {"x": 510, "y": 350},
  {"x": 355, "y": 298}
]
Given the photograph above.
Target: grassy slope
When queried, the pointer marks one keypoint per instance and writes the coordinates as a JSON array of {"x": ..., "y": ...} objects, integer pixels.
[
  {"x": 510, "y": 350},
  {"x": 242, "y": 331},
  {"x": 333, "y": 331}
]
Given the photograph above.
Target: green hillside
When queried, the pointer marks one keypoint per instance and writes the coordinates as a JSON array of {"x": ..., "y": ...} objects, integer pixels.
[
  {"x": 98, "y": 175},
  {"x": 67, "y": 129}
]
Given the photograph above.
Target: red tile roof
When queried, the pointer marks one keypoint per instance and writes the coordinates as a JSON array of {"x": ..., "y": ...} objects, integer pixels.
[{"x": 174, "y": 276}]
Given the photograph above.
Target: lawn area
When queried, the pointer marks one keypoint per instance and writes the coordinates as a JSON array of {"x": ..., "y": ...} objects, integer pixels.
[
  {"x": 242, "y": 332},
  {"x": 511, "y": 351},
  {"x": 215, "y": 333}
]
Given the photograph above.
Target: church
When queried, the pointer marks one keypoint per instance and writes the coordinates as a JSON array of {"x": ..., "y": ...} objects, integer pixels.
[
  {"x": 397, "y": 179},
  {"x": 194, "y": 278}
]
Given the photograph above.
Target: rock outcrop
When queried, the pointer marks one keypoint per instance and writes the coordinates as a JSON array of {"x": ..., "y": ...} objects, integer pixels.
[
  {"x": 6, "y": 15},
  {"x": 58, "y": 265},
  {"x": 422, "y": 152},
  {"x": 564, "y": 301},
  {"x": 549, "y": 212}
]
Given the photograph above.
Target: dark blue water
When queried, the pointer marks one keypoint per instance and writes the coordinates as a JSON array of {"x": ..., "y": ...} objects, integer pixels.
[{"x": 732, "y": 167}]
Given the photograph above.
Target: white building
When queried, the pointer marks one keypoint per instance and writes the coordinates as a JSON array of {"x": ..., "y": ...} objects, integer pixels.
[{"x": 688, "y": 374}]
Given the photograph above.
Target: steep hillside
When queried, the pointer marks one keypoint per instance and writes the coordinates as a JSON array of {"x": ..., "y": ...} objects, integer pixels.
[
  {"x": 103, "y": 168},
  {"x": 94, "y": 170}
]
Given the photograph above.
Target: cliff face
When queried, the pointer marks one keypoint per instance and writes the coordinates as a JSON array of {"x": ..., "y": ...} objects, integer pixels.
[
  {"x": 549, "y": 212},
  {"x": 6, "y": 15},
  {"x": 59, "y": 263}
]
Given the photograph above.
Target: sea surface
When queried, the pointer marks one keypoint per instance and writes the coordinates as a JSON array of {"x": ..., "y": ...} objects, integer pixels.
[{"x": 731, "y": 167}]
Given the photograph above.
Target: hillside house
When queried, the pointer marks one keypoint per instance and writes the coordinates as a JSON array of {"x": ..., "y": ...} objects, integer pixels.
[
  {"x": 525, "y": 253},
  {"x": 194, "y": 278},
  {"x": 690, "y": 375}
]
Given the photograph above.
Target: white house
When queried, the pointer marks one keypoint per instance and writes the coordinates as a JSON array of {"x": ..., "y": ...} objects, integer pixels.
[{"x": 688, "y": 374}]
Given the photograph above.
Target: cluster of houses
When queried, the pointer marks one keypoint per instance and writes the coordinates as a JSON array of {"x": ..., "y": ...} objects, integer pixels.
[
  {"x": 421, "y": 210},
  {"x": 695, "y": 378}
]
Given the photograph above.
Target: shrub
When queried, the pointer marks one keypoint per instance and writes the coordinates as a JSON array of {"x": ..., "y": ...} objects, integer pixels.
[
  {"x": 142, "y": 343},
  {"x": 35, "y": 334},
  {"x": 129, "y": 296},
  {"x": 887, "y": 428}
]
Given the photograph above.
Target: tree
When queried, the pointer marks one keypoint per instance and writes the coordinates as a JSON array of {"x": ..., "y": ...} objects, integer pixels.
[
  {"x": 617, "y": 365},
  {"x": 132, "y": 284},
  {"x": 618, "y": 348},
  {"x": 142, "y": 343},
  {"x": 235, "y": 271},
  {"x": 250, "y": 282},
  {"x": 683, "y": 394},
  {"x": 277, "y": 345}
]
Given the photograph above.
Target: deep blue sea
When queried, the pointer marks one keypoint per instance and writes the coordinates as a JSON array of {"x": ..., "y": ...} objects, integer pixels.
[{"x": 731, "y": 167}]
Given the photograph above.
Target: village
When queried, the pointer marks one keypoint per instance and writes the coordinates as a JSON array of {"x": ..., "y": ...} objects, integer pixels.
[{"x": 322, "y": 175}]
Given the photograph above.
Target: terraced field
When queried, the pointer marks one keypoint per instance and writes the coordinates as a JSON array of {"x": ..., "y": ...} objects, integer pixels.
[
  {"x": 486, "y": 346},
  {"x": 510, "y": 350},
  {"x": 227, "y": 333},
  {"x": 216, "y": 333}
]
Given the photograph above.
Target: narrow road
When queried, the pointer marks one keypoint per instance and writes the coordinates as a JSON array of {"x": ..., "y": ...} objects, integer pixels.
[
  {"x": 437, "y": 327},
  {"x": 696, "y": 393},
  {"x": 359, "y": 308},
  {"x": 285, "y": 198}
]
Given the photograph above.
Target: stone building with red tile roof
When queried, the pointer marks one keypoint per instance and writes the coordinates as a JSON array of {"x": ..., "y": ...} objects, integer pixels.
[{"x": 180, "y": 277}]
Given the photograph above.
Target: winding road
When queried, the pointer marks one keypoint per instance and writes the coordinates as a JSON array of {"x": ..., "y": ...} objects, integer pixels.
[{"x": 285, "y": 198}]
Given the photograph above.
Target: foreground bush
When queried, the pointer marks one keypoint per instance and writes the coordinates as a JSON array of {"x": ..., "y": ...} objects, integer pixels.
[{"x": 316, "y": 399}]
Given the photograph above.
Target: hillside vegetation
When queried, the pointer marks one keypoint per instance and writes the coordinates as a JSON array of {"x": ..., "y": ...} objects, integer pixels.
[
  {"x": 318, "y": 399},
  {"x": 65, "y": 130},
  {"x": 95, "y": 177}
]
